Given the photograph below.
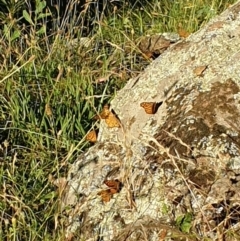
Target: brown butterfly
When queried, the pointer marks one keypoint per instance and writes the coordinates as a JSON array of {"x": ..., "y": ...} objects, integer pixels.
[
  {"x": 114, "y": 185},
  {"x": 151, "y": 107},
  {"x": 106, "y": 195},
  {"x": 183, "y": 33},
  {"x": 104, "y": 113},
  {"x": 109, "y": 117},
  {"x": 92, "y": 136},
  {"x": 112, "y": 121},
  {"x": 162, "y": 234}
]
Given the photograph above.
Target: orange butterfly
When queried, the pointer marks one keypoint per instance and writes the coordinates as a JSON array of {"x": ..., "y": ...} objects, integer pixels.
[
  {"x": 112, "y": 121},
  {"x": 183, "y": 33},
  {"x": 106, "y": 195},
  {"x": 114, "y": 185},
  {"x": 92, "y": 136},
  {"x": 151, "y": 107},
  {"x": 109, "y": 117},
  {"x": 104, "y": 114}
]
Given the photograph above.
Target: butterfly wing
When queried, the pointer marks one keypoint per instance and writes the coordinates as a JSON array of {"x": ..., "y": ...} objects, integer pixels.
[
  {"x": 150, "y": 107},
  {"x": 109, "y": 117},
  {"x": 104, "y": 113},
  {"x": 91, "y": 136},
  {"x": 113, "y": 190},
  {"x": 106, "y": 195},
  {"x": 115, "y": 184},
  {"x": 112, "y": 121}
]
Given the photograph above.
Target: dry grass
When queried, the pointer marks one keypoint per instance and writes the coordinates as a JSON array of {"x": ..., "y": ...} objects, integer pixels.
[{"x": 51, "y": 88}]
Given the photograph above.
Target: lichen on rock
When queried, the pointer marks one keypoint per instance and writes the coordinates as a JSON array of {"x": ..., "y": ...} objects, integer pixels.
[{"x": 183, "y": 159}]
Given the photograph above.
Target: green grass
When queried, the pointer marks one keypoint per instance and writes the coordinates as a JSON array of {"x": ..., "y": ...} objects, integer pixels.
[{"x": 39, "y": 69}]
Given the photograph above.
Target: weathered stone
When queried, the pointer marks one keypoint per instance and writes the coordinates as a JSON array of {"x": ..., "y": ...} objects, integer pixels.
[{"x": 183, "y": 159}]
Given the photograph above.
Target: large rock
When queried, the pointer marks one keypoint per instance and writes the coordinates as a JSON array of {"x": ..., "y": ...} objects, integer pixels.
[{"x": 183, "y": 161}]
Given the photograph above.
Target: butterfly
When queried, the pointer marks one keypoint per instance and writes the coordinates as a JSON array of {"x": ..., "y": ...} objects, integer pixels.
[
  {"x": 106, "y": 195},
  {"x": 104, "y": 113},
  {"x": 92, "y": 136},
  {"x": 112, "y": 121},
  {"x": 183, "y": 33},
  {"x": 151, "y": 107},
  {"x": 114, "y": 185},
  {"x": 109, "y": 117}
]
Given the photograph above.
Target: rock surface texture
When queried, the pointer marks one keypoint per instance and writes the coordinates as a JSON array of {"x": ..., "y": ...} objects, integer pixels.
[{"x": 182, "y": 160}]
